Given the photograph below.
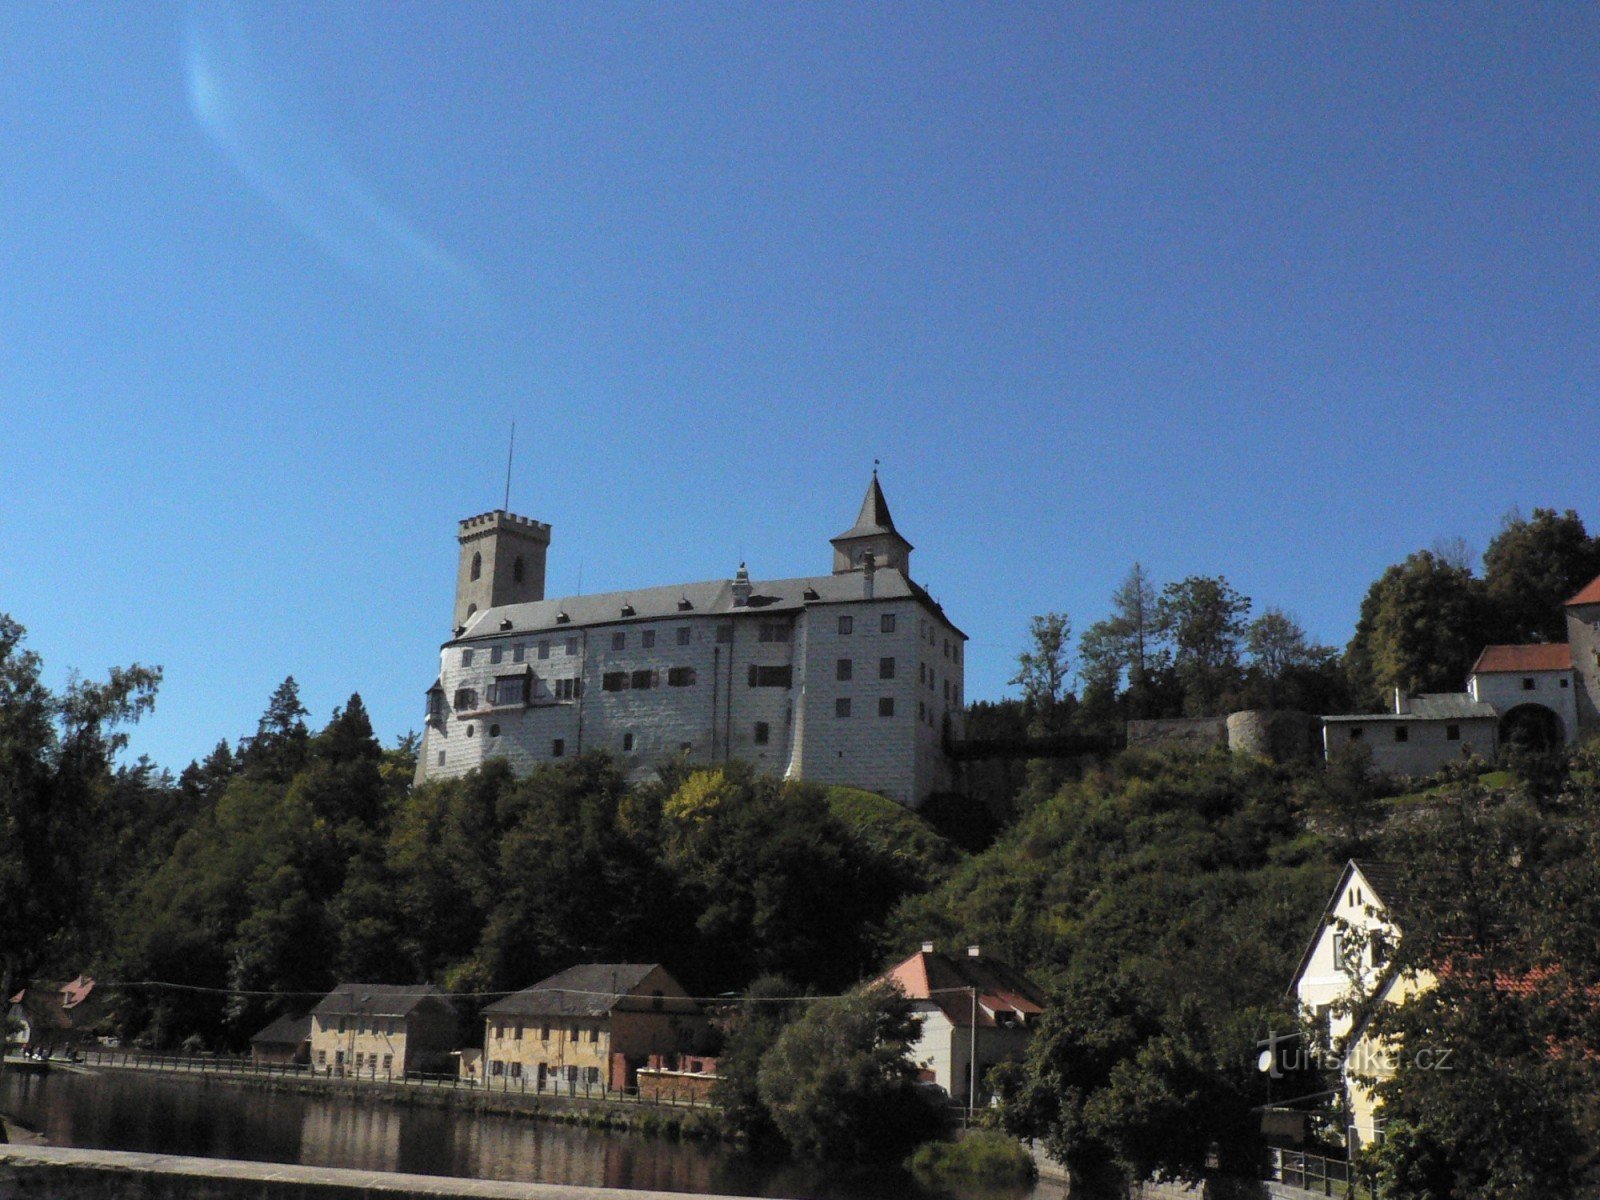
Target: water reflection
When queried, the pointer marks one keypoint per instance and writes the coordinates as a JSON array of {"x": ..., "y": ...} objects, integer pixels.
[{"x": 119, "y": 1111}]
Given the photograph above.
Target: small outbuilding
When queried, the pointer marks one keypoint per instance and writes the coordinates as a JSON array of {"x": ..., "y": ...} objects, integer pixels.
[{"x": 285, "y": 1042}]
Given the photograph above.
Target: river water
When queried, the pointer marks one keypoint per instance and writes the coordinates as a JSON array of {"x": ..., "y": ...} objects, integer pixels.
[{"x": 118, "y": 1110}]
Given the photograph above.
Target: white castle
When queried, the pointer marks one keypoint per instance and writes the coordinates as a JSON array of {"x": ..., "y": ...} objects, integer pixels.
[{"x": 853, "y": 677}]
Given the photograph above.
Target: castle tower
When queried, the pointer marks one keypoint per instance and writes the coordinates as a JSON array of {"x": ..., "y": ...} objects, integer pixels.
[
  {"x": 502, "y": 562},
  {"x": 873, "y": 531}
]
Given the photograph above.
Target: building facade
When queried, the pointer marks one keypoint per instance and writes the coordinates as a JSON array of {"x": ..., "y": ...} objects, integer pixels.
[
  {"x": 589, "y": 1029},
  {"x": 383, "y": 1030},
  {"x": 854, "y": 677}
]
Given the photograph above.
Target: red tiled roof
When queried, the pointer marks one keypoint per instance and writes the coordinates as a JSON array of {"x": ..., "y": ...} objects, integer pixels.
[
  {"x": 1590, "y": 593},
  {"x": 1004, "y": 994},
  {"x": 1548, "y": 656}
]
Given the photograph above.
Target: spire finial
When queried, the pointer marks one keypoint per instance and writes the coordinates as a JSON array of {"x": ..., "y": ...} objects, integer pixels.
[{"x": 874, "y": 468}]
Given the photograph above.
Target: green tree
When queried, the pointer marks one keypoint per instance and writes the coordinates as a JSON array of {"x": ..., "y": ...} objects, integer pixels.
[
  {"x": 1532, "y": 568},
  {"x": 1125, "y": 648},
  {"x": 839, "y": 1083},
  {"x": 1422, "y": 625},
  {"x": 1287, "y": 669},
  {"x": 281, "y": 743},
  {"x": 767, "y": 1008},
  {"x": 1043, "y": 670},
  {"x": 1205, "y": 620}
]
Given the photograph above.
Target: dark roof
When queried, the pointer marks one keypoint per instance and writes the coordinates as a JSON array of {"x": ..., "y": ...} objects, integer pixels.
[
  {"x": 379, "y": 999},
  {"x": 1430, "y": 706},
  {"x": 1548, "y": 656},
  {"x": 285, "y": 1031},
  {"x": 874, "y": 516},
  {"x": 594, "y": 990}
]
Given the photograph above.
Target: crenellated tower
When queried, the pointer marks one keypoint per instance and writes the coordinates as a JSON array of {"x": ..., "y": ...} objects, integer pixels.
[{"x": 502, "y": 562}]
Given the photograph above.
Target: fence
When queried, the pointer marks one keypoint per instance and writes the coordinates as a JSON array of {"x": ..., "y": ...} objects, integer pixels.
[{"x": 1313, "y": 1173}]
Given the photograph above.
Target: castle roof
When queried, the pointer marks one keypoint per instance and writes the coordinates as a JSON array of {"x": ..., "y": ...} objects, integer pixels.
[
  {"x": 1430, "y": 706},
  {"x": 710, "y": 598},
  {"x": 874, "y": 516},
  {"x": 1551, "y": 656}
]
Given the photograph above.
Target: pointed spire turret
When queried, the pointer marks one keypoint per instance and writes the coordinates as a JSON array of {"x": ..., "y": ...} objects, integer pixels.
[{"x": 873, "y": 531}]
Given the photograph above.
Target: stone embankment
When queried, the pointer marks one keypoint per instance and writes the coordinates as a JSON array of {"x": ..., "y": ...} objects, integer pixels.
[{"x": 57, "y": 1173}]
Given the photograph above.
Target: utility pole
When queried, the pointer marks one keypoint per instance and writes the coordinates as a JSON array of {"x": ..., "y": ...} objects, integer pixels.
[{"x": 972, "y": 1059}]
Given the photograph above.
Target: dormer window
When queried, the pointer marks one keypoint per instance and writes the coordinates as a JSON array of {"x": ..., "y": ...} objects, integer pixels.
[
  {"x": 562, "y": 618},
  {"x": 628, "y": 610},
  {"x": 505, "y": 624},
  {"x": 685, "y": 604}
]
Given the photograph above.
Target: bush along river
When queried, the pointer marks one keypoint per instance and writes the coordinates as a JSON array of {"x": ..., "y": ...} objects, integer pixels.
[{"x": 126, "y": 1110}]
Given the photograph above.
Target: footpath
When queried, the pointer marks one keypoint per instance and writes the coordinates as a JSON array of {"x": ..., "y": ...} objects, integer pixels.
[{"x": 59, "y": 1173}]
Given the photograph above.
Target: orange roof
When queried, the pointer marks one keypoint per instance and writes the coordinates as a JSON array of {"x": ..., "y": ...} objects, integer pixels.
[
  {"x": 1004, "y": 995},
  {"x": 1547, "y": 656},
  {"x": 1590, "y": 593}
]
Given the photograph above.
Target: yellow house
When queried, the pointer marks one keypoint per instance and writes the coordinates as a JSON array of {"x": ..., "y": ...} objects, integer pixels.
[
  {"x": 381, "y": 1031},
  {"x": 589, "y": 1029},
  {"x": 1345, "y": 975}
]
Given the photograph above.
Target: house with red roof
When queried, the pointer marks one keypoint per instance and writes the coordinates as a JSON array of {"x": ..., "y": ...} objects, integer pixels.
[{"x": 974, "y": 1008}]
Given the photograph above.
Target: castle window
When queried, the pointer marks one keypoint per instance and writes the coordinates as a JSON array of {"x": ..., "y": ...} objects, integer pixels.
[
  {"x": 1452, "y": 733},
  {"x": 844, "y": 669},
  {"x": 471, "y": 608},
  {"x": 627, "y": 742},
  {"x": 886, "y": 668},
  {"x": 619, "y": 641},
  {"x": 496, "y": 653},
  {"x": 725, "y": 632},
  {"x": 469, "y": 730},
  {"x": 569, "y": 689},
  {"x": 680, "y": 676},
  {"x": 886, "y": 706},
  {"x": 1564, "y": 683},
  {"x": 544, "y": 649},
  {"x": 763, "y": 733},
  {"x": 466, "y": 699},
  {"x": 648, "y": 639},
  {"x": 572, "y": 647},
  {"x": 477, "y": 565},
  {"x": 847, "y": 625},
  {"x": 886, "y": 623},
  {"x": 614, "y": 681},
  {"x": 494, "y": 731},
  {"x": 1402, "y": 734},
  {"x": 509, "y": 689},
  {"x": 466, "y": 658},
  {"x": 1355, "y": 734},
  {"x": 644, "y": 680},
  {"x": 435, "y": 704},
  {"x": 685, "y": 635},
  {"x": 841, "y": 706},
  {"x": 519, "y": 653},
  {"x": 558, "y": 747},
  {"x": 441, "y": 758},
  {"x": 516, "y": 570},
  {"x": 770, "y": 676},
  {"x": 1527, "y": 683},
  {"x": 774, "y": 631}
]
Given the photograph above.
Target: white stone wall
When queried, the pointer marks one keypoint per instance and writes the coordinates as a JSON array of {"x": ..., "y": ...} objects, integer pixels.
[
  {"x": 1427, "y": 747},
  {"x": 900, "y": 755},
  {"x": 1551, "y": 689}
]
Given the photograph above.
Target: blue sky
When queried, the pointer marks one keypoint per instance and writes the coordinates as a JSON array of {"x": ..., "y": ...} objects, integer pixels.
[{"x": 1280, "y": 292}]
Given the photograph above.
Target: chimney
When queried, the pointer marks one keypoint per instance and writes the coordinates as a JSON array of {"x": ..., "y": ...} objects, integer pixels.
[
  {"x": 869, "y": 568},
  {"x": 741, "y": 587},
  {"x": 927, "y": 947},
  {"x": 1400, "y": 702},
  {"x": 974, "y": 952}
]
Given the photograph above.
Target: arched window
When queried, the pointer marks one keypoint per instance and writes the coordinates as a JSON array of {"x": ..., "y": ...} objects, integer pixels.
[
  {"x": 477, "y": 564},
  {"x": 516, "y": 570}
]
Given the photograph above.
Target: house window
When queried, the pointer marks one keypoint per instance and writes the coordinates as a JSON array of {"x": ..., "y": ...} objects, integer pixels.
[
  {"x": 841, "y": 706},
  {"x": 495, "y": 654},
  {"x": 1380, "y": 948},
  {"x": 1345, "y": 956},
  {"x": 544, "y": 649},
  {"x": 361, "y": 1059},
  {"x": 680, "y": 676},
  {"x": 516, "y": 1070},
  {"x": 763, "y": 733},
  {"x": 1402, "y": 734},
  {"x": 886, "y": 623},
  {"x": 544, "y": 1033},
  {"x": 466, "y": 657},
  {"x": 685, "y": 635},
  {"x": 1452, "y": 733},
  {"x": 619, "y": 641},
  {"x": 572, "y": 647},
  {"x": 847, "y": 624},
  {"x": 886, "y": 706},
  {"x": 725, "y": 632},
  {"x": 843, "y": 669},
  {"x": 886, "y": 668},
  {"x": 322, "y": 1058},
  {"x": 466, "y": 699},
  {"x": 614, "y": 681},
  {"x": 594, "y": 1036},
  {"x": 921, "y": 710},
  {"x": 558, "y": 747},
  {"x": 644, "y": 680},
  {"x": 388, "y": 1063},
  {"x": 778, "y": 677},
  {"x": 1564, "y": 683},
  {"x": 497, "y": 1068},
  {"x": 627, "y": 745},
  {"x": 1356, "y": 733},
  {"x": 774, "y": 631}
]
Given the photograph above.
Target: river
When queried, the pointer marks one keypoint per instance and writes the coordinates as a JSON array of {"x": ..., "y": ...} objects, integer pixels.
[{"x": 118, "y": 1110}]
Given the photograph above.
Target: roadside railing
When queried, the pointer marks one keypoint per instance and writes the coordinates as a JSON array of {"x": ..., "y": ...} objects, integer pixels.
[{"x": 1314, "y": 1173}]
